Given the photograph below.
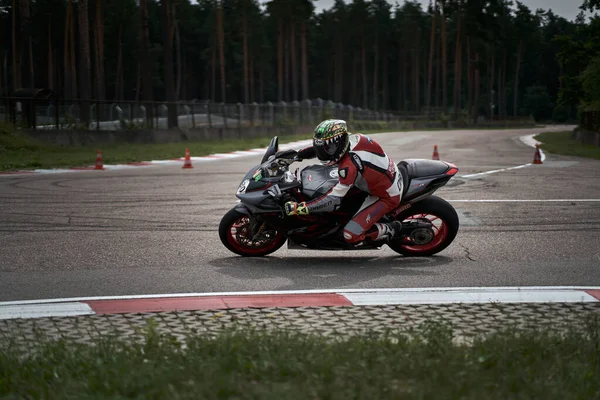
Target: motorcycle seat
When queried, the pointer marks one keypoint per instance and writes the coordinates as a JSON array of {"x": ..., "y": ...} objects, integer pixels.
[{"x": 423, "y": 168}]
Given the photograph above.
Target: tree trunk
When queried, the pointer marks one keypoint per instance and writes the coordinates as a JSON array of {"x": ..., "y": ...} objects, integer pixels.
[
  {"x": 354, "y": 96},
  {"x": 16, "y": 45},
  {"x": 188, "y": 85},
  {"x": 261, "y": 83},
  {"x": 74, "y": 72},
  {"x": 213, "y": 81},
  {"x": 119, "y": 89},
  {"x": 179, "y": 80},
  {"x": 245, "y": 60},
  {"x": 415, "y": 76},
  {"x": 499, "y": 92},
  {"x": 147, "y": 72},
  {"x": 517, "y": 68},
  {"x": 221, "y": 39},
  {"x": 251, "y": 72},
  {"x": 476, "y": 89},
  {"x": 438, "y": 78},
  {"x": 363, "y": 57},
  {"x": 403, "y": 82},
  {"x": 27, "y": 78},
  {"x": 386, "y": 100},
  {"x": 138, "y": 82},
  {"x": 400, "y": 68},
  {"x": 376, "y": 73},
  {"x": 491, "y": 86},
  {"x": 100, "y": 86},
  {"x": 418, "y": 72},
  {"x": 504, "y": 94},
  {"x": 85, "y": 67},
  {"x": 444, "y": 66},
  {"x": 85, "y": 70},
  {"x": 287, "y": 79},
  {"x": 280, "y": 61},
  {"x": 50, "y": 59},
  {"x": 294, "y": 62},
  {"x": 5, "y": 76},
  {"x": 305, "y": 64},
  {"x": 431, "y": 58},
  {"x": 31, "y": 67},
  {"x": 469, "y": 78},
  {"x": 330, "y": 79},
  {"x": 339, "y": 69},
  {"x": 458, "y": 65},
  {"x": 67, "y": 90}
]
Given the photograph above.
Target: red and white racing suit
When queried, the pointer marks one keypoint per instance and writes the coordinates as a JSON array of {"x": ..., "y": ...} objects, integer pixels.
[{"x": 367, "y": 167}]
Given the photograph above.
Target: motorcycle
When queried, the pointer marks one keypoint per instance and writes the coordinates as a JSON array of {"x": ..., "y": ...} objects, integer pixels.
[{"x": 258, "y": 225}]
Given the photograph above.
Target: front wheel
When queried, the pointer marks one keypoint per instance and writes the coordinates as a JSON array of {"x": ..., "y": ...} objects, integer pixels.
[
  {"x": 444, "y": 220},
  {"x": 236, "y": 233}
]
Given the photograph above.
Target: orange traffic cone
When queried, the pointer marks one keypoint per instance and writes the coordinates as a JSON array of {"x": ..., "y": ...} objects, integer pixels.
[
  {"x": 99, "y": 164},
  {"x": 436, "y": 155},
  {"x": 537, "y": 157},
  {"x": 187, "y": 163}
]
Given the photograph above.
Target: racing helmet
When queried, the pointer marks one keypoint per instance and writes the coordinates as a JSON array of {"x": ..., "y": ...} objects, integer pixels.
[{"x": 331, "y": 141}]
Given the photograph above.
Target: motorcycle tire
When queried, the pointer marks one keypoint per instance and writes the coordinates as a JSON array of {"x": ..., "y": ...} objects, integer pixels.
[
  {"x": 442, "y": 211},
  {"x": 239, "y": 242}
]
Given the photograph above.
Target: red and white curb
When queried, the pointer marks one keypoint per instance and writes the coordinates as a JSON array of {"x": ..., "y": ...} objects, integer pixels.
[
  {"x": 69, "y": 307},
  {"x": 176, "y": 161}
]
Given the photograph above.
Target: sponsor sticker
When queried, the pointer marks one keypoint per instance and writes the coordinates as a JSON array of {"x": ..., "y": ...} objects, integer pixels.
[
  {"x": 357, "y": 161},
  {"x": 405, "y": 207}
]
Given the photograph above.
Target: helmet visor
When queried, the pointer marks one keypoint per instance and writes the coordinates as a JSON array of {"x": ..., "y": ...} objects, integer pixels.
[{"x": 328, "y": 146}]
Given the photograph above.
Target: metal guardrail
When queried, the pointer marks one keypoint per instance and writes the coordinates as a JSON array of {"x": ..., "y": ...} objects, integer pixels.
[{"x": 123, "y": 115}]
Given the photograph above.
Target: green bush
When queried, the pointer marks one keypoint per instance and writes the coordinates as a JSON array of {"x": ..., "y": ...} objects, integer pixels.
[
  {"x": 10, "y": 139},
  {"x": 560, "y": 113}
]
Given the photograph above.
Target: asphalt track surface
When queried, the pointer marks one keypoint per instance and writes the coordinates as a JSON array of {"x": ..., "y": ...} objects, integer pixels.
[{"x": 153, "y": 230}]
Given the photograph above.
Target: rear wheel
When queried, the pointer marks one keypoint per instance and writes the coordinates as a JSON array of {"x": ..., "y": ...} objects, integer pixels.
[
  {"x": 444, "y": 227},
  {"x": 236, "y": 233}
]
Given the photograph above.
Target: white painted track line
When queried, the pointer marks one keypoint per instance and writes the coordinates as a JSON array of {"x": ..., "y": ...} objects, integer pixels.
[
  {"x": 530, "y": 141},
  {"x": 487, "y": 296},
  {"x": 527, "y": 140},
  {"x": 308, "y": 291},
  {"x": 523, "y": 201},
  {"x": 70, "y": 309}
]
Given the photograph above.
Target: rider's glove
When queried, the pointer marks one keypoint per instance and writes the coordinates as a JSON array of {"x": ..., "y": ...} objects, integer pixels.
[{"x": 293, "y": 208}]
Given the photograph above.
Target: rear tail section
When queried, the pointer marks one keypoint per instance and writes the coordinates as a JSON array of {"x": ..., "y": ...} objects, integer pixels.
[{"x": 422, "y": 177}]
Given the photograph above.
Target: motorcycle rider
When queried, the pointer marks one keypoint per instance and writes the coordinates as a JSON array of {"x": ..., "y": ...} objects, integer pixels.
[{"x": 362, "y": 163}]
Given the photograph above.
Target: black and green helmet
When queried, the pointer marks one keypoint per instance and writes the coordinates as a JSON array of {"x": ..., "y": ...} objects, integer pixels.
[{"x": 330, "y": 141}]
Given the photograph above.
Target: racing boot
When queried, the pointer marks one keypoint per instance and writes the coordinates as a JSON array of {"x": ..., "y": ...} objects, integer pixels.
[{"x": 385, "y": 231}]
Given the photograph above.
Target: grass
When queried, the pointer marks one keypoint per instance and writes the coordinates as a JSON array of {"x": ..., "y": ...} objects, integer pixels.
[
  {"x": 561, "y": 143},
  {"x": 280, "y": 365},
  {"x": 20, "y": 152}
]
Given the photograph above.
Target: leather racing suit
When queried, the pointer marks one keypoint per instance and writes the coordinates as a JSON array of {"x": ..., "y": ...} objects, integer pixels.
[{"x": 370, "y": 169}]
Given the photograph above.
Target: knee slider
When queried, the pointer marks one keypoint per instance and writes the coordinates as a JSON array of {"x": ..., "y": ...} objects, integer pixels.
[{"x": 350, "y": 238}]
